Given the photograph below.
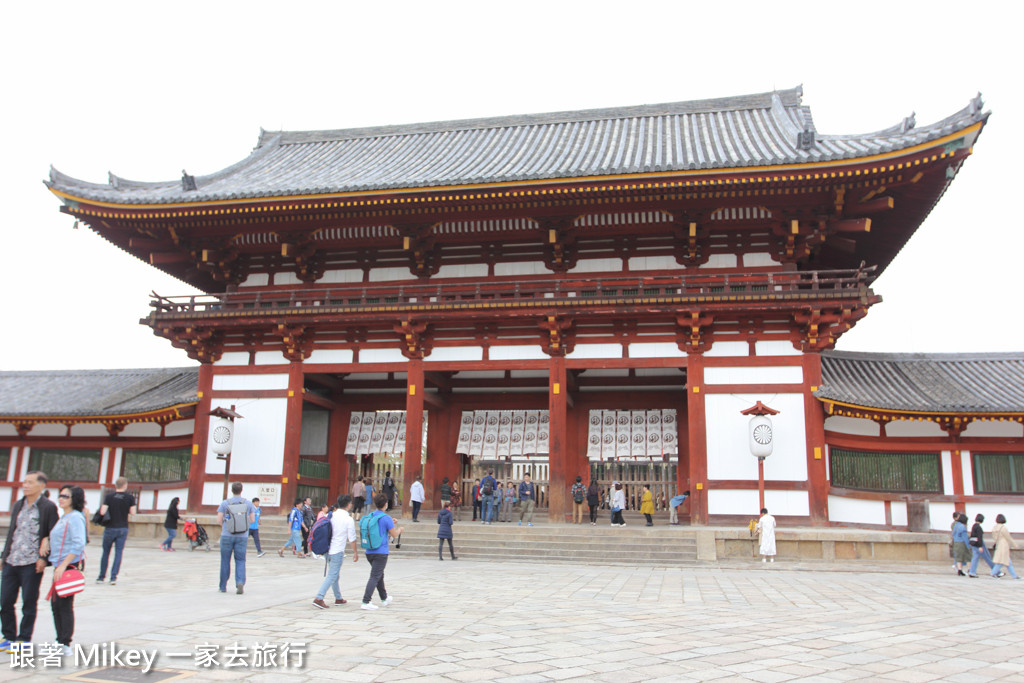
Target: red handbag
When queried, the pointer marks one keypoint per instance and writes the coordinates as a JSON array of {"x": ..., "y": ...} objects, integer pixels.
[{"x": 71, "y": 581}]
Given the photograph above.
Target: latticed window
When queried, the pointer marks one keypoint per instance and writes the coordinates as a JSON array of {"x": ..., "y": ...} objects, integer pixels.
[
  {"x": 146, "y": 466},
  {"x": 318, "y": 494},
  {"x": 999, "y": 473},
  {"x": 319, "y": 469},
  {"x": 66, "y": 464},
  {"x": 875, "y": 471},
  {"x": 5, "y": 459}
]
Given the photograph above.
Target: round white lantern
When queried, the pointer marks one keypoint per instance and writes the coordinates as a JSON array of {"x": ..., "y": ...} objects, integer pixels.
[
  {"x": 761, "y": 436},
  {"x": 221, "y": 435}
]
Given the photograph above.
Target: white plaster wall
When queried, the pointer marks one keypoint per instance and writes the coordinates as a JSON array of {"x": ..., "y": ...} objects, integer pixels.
[
  {"x": 527, "y": 268},
  {"x": 90, "y": 429},
  {"x": 913, "y": 428},
  {"x": 390, "y": 274},
  {"x": 347, "y": 275},
  {"x": 754, "y": 375},
  {"x": 7, "y": 429},
  {"x": 49, "y": 430},
  {"x": 286, "y": 278},
  {"x": 946, "y": 458},
  {"x": 269, "y": 358},
  {"x": 11, "y": 466},
  {"x": 776, "y": 348},
  {"x": 145, "y": 501},
  {"x": 733, "y": 502},
  {"x": 720, "y": 261},
  {"x": 330, "y": 356},
  {"x": 728, "y": 349},
  {"x": 233, "y": 358},
  {"x": 249, "y": 382},
  {"x": 93, "y": 502},
  {"x": 653, "y": 263},
  {"x": 140, "y": 429},
  {"x": 531, "y": 352},
  {"x": 478, "y": 270},
  {"x": 256, "y": 280},
  {"x": 26, "y": 453},
  {"x": 165, "y": 496},
  {"x": 1014, "y": 513},
  {"x": 598, "y": 265},
  {"x": 994, "y": 428},
  {"x": 381, "y": 356},
  {"x": 855, "y": 510},
  {"x": 728, "y": 445},
  {"x": 450, "y": 353},
  {"x": 5, "y": 497},
  {"x": 213, "y": 493},
  {"x": 787, "y": 503},
  {"x": 259, "y": 437},
  {"x": 104, "y": 461},
  {"x": 118, "y": 455},
  {"x": 851, "y": 425},
  {"x": 759, "y": 259},
  {"x": 180, "y": 427},
  {"x": 898, "y": 509},
  {"x": 967, "y": 472},
  {"x": 655, "y": 350},
  {"x": 941, "y": 516},
  {"x": 596, "y": 351}
]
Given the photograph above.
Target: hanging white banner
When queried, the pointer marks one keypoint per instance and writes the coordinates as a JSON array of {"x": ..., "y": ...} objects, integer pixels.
[
  {"x": 594, "y": 435},
  {"x": 352, "y": 440},
  {"x": 518, "y": 431},
  {"x": 669, "y": 432},
  {"x": 465, "y": 433},
  {"x": 543, "y": 432},
  {"x": 365, "y": 431}
]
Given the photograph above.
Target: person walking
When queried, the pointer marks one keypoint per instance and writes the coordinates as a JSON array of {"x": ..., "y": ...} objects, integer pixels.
[
  {"x": 527, "y": 500},
  {"x": 961, "y": 544},
  {"x": 254, "y": 528},
  {"x": 673, "y": 507},
  {"x": 368, "y": 504},
  {"x": 647, "y": 505},
  {"x": 487, "y": 487},
  {"x": 24, "y": 557},
  {"x": 579, "y": 496},
  {"x": 766, "y": 529},
  {"x": 358, "y": 497},
  {"x": 67, "y": 544},
  {"x": 444, "y": 530},
  {"x": 295, "y": 529},
  {"x": 457, "y": 501},
  {"x": 120, "y": 504},
  {"x": 171, "y": 525},
  {"x": 508, "y": 499},
  {"x": 446, "y": 490},
  {"x": 1001, "y": 556},
  {"x": 476, "y": 498},
  {"x": 378, "y": 557},
  {"x": 618, "y": 504},
  {"x": 234, "y": 515},
  {"x": 343, "y": 532},
  {"x": 593, "y": 500},
  {"x": 308, "y": 520},
  {"x": 388, "y": 489},
  {"x": 417, "y": 495},
  {"x": 978, "y": 549}
]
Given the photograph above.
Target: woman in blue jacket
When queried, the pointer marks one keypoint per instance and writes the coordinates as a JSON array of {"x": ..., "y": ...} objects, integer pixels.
[
  {"x": 444, "y": 530},
  {"x": 67, "y": 543}
]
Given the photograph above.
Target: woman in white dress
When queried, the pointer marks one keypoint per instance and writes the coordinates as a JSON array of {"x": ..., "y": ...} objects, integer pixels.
[{"x": 766, "y": 529}]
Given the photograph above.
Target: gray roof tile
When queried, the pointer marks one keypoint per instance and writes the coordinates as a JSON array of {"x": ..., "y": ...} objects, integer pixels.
[
  {"x": 71, "y": 393},
  {"x": 945, "y": 383},
  {"x": 732, "y": 132}
]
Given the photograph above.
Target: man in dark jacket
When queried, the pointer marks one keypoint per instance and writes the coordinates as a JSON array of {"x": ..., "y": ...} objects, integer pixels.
[{"x": 24, "y": 557}]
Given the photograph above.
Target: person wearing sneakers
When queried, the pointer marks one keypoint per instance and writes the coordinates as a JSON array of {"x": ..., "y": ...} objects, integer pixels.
[
  {"x": 766, "y": 529},
  {"x": 295, "y": 525},
  {"x": 579, "y": 497},
  {"x": 378, "y": 557},
  {"x": 235, "y": 515},
  {"x": 120, "y": 504},
  {"x": 418, "y": 496},
  {"x": 343, "y": 530},
  {"x": 171, "y": 525},
  {"x": 254, "y": 528},
  {"x": 527, "y": 499},
  {"x": 24, "y": 558}
]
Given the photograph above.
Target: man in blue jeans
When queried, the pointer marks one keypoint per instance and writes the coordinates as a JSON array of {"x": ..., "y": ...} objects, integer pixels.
[
  {"x": 488, "y": 485},
  {"x": 119, "y": 504},
  {"x": 235, "y": 515},
  {"x": 378, "y": 557}
]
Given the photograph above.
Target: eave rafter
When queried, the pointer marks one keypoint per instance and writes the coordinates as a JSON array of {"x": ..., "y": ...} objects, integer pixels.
[
  {"x": 114, "y": 424},
  {"x": 952, "y": 422}
]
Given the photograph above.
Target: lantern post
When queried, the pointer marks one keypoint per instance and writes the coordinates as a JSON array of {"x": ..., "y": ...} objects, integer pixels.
[
  {"x": 761, "y": 438},
  {"x": 222, "y": 432}
]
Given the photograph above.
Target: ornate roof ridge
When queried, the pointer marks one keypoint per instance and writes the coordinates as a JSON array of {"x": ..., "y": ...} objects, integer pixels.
[
  {"x": 788, "y": 98},
  {"x": 924, "y": 357}
]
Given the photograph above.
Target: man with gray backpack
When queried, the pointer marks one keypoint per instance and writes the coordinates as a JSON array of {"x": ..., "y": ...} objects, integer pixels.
[
  {"x": 235, "y": 515},
  {"x": 374, "y": 530}
]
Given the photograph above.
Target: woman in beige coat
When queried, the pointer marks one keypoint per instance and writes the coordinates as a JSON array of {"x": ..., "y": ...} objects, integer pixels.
[{"x": 1001, "y": 555}]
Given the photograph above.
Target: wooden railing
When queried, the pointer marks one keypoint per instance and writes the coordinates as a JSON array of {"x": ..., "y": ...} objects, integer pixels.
[{"x": 451, "y": 293}]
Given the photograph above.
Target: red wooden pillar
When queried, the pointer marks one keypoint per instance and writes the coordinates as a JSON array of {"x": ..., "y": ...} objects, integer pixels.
[
  {"x": 957, "y": 473},
  {"x": 814, "y": 419},
  {"x": 441, "y": 459},
  {"x": 337, "y": 434},
  {"x": 413, "y": 430},
  {"x": 697, "y": 439},
  {"x": 292, "y": 435},
  {"x": 558, "y": 451},
  {"x": 197, "y": 465}
]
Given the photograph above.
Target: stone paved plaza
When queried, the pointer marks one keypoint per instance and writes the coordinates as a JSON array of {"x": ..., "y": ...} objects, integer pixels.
[{"x": 515, "y": 621}]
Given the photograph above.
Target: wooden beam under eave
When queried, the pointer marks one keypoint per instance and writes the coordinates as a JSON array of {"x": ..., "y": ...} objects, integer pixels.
[
  {"x": 318, "y": 400},
  {"x": 440, "y": 380},
  {"x": 434, "y": 401},
  {"x": 328, "y": 381},
  {"x": 161, "y": 257},
  {"x": 877, "y": 205}
]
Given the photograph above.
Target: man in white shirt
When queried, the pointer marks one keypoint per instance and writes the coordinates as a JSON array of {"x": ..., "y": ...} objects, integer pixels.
[
  {"x": 417, "y": 495},
  {"x": 343, "y": 530}
]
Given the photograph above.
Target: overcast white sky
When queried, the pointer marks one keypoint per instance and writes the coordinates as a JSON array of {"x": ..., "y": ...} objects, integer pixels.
[{"x": 147, "y": 89}]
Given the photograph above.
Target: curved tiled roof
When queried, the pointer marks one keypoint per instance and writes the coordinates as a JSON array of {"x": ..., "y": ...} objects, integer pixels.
[
  {"x": 71, "y": 393},
  {"x": 734, "y": 132},
  {"x": 918, "y": 382}
]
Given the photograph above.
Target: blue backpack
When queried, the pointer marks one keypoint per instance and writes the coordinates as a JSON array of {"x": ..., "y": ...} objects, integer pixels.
[
  {"x": 320, "y": 536},
  {"x": 370, "y": 537}
]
